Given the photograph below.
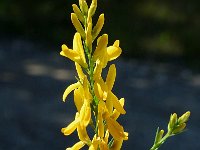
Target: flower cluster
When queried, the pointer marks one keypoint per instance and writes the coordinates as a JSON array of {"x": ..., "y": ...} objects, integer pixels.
[
  {"x": 97, "y": 105},
  {"x": 175, "y": 126}
]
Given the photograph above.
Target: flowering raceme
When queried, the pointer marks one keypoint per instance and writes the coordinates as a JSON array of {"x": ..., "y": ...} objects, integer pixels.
[{"x": 97, "y": 105}]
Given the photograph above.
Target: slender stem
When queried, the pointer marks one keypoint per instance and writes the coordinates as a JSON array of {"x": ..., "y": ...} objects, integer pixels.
[{"x": 157, "y": 145}]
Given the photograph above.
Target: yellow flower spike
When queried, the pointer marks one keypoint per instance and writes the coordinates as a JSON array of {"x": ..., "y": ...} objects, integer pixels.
[
  {"x": 71, "y": 127},
  {"x": 78, "y": 13},
  {"x": 116, "y": 114},
  {"x": 77, "y": 46},
  {"x": 92, "y": 8},
  {"x": 84, "y": 7},
  {"x": 85, "y": 114},
  {"x": 77, "y": 25},
  {"x": 110, "y": 79},
  {"x": 78, "y": 100},
  {"x": 89, "y": 36},
  {"x": 116, "y": 103},
  {"x": 101, "y": 46},
  {"x": 82, "y": 134},
  {"x": 117, "y": 145},
  {"x": 116, "y": 130},
  {"x": 77, "y": 146},
  {"x": 69, "y": 89},
  {"x": 113, "y": 52},
  {"x": 79, "y": 70},
  {"x": 97, "y": 28},
  {"x": 97, "y": 70}
]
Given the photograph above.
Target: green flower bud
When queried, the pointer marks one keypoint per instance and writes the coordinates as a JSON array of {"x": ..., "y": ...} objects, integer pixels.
[
  {"x": 179, "y": 128},
  {"x": 172, "y": 121},
  {"x": 184, "y": 118}
]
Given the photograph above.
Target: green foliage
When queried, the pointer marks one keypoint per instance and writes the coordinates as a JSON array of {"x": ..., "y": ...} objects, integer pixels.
[{"x": 146, "y": 28}]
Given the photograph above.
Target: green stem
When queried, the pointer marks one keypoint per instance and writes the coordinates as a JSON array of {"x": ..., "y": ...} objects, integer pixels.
[{"x": 157, "y": 145}]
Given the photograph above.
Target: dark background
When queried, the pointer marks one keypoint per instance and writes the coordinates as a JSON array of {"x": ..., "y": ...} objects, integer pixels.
[{"x": 158, "y": 72}]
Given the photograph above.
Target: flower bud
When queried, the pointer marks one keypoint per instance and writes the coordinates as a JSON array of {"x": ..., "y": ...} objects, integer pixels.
[
  {"x": 92, "y": 8},
  {"x": 184, "y": 118},
  {"x": 172, "y": 122},
  {"x": 84, "y": 7},
  {"x": 78, "y": 13},
  {"x": 179, "y": 128},
  {"x": 77, "y": 25},
  {"x": 96, "y": 30}
]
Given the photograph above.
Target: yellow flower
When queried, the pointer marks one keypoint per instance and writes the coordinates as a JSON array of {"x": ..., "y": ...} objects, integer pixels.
[
  {"x": 115, "y": 129},
  {"x": 97, "y": 28},
  {"x": 95, "y": 143},
  {"x": 104, "y": 53},
  {"x": 77, "y": 146},
  {"x": 70, "y": 88},
  {"x": 85, "y": 114},
  {"x": 117, "y": 145},
  {"x": 77, "y": 54},
  {"x": 72, "y": 126},
  {"x": 103, "y": 91}
]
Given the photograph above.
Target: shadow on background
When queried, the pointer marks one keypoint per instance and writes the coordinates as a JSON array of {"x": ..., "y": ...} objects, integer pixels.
[{"x": 33, "y": 76}]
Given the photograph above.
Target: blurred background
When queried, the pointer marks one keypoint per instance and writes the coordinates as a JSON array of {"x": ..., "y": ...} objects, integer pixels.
[{"x": 158, "y": 73}]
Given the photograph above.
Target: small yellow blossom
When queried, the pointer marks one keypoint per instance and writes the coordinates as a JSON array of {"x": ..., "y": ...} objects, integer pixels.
[{"x": 77, "y": 146}]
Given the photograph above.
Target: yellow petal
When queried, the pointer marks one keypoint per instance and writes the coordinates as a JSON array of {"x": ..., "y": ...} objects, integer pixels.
[
  {"x": 110, "y": 79},
  {"x": 69, "y": 89},
  {"x": 100, "y": 89},
  {"x": 85, "y": 114},
  {"x": 113, "y": 52},
  {"x": 89, "y": 36},
  {"x": 96, "y": 30},
  {"x": 103, "y": 145},
  {"x": 117, "y": 145},
  {"x": 69, "y": 53},
  {"x": 86, "y": 87},
  {"x": 70, "y": 128},
  {"x": 100, "y": 125},
  {"x": 116, "y": 103},
  {"x": 77, "y": 146},
  {"x": 97, "y": 70},
  {"x": 84, "y": 7},
  {"x": 101, "y": 46},
  {"x": 78, "y": 47},
  {"x": 116, "y": 43},
  {"x": 109, "y": 104},
  {"x": 77, "y": 25},
  {"x": 115, "y": 129},
  {"x": 79, "y": 70},
  {"x": 116, "y": 114},
  {"x": 78, "y": 99},
  {"x": 78, "y": 13},
  {"x": 106, "y": 136},
  {"x": 92, "y": 8},
  {"x": 95, "y": 143},
  {"x": 82, "y": 134}
]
